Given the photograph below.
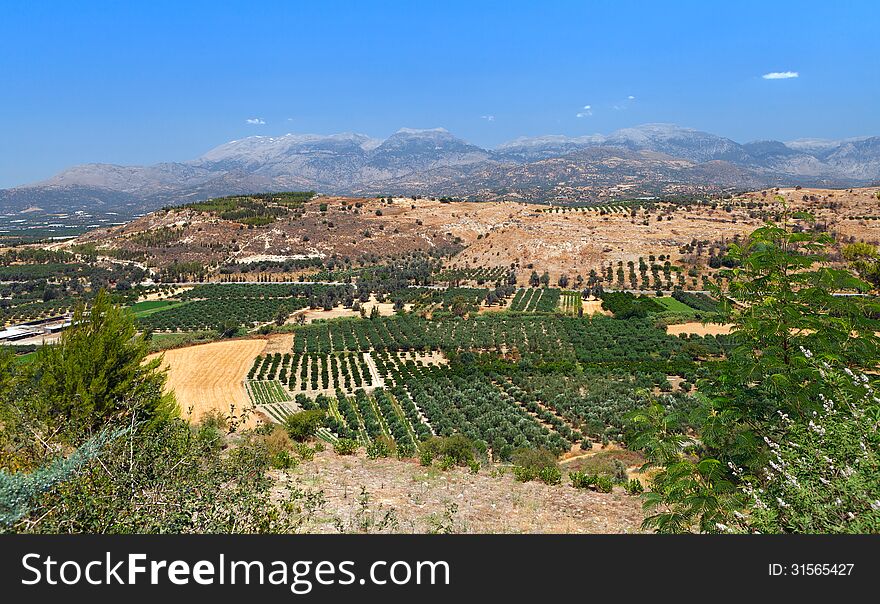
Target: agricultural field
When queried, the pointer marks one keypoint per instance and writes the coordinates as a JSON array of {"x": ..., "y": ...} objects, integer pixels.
[
  {"x": 673, "y": 305},
  {"x": 535, "y": 300},
  {"x": 218, "y": 306},
  {"x": 38, "y": 284},
  {"x": 209, "y": 378},
  {"x": 570, "y": 303},
  {"x": 480, "y": 276},
  {"x": 405, "y": 378}
]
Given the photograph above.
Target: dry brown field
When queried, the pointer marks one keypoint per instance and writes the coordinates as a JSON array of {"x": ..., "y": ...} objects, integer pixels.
[
  {"x": 695, "y": 327},
  {"x": 210, "y": 377}
]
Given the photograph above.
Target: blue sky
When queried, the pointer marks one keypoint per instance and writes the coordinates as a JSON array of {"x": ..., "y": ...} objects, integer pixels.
[{"x": 142, "y": 82}]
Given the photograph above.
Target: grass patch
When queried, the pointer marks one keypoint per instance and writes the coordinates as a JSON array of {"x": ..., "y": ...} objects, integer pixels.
[
  {"x": 149, "y": 307},
  {"x": 167, "y": 341},
  {"x": 24, "y": 359},
  {"x": 674, "y": 305}
]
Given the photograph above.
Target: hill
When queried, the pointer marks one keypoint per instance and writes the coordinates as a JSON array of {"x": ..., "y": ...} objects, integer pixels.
[{"x": 304, "y": 232}]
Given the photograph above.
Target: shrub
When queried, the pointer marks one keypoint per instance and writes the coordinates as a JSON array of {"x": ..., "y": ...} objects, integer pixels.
[
  {"x": 303, "y": 425},
  {"x": 618, "y": 474},
  {"x": 405, "y": 450},
  {"x": 634, "y": 487},
  {"x": 277, "y": 441},
  {"x": 582, "y": 480},
  {"x": 380, "y": 447},
  {"x": 447, "y": 462},
  {"x": 535, "y": 459},
  {"x": 523, "y": 474},
  {"x": 305, "y": 452},
  {"x": 345, "y": 446},
  {"x": 426, "y": 458},
  {"x": 604, "y": 484},
  {"x": 459, "y": 448},
  {"x": 283, "y": 460},
  {"x": 550, "y": 475}
]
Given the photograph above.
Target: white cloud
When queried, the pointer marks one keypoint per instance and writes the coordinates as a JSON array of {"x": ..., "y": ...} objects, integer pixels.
[
  {"x": 488, "y": 118},
  {"x": 780, "y": 75},
  {"x": 630, "y": 98},
  {"x": 587, "y": 112},
  {"x": 255, "y": 121}
]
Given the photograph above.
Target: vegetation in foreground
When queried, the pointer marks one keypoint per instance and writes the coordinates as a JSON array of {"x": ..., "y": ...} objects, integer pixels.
[{"x": 785, "y": 437}]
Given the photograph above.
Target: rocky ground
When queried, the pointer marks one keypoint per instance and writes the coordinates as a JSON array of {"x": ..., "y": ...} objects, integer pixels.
[{"x": 355, "y": 494}]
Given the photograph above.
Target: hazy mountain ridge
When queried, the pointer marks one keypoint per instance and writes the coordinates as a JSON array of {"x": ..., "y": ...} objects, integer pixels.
[{"x": 658, "y": 158}]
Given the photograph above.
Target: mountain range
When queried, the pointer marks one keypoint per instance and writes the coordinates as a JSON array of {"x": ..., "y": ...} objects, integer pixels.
[{"x": 650, "y": 159}]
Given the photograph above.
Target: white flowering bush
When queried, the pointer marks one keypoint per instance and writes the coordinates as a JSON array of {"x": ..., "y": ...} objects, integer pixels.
[{"x": 822, "y": 476}]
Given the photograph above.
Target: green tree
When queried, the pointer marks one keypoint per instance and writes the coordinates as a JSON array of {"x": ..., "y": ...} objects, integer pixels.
[
  {"x": 786, "y": 315},
  {"x": 229, "y": 329},
  {"x": 864, "y": 258},
  {"x": 97, "y": 371},
  {"x": 282, "y": 315},
  {"x": 303, "y": 425},
  {"x": 459, "y": 306}
]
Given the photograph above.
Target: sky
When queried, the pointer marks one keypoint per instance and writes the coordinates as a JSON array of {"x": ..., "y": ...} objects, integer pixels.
[{"x": 151, "y": 81}]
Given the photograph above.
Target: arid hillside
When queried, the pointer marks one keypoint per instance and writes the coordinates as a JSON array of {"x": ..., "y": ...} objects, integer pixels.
[
  {"x": 355, "y": 494},
  {"x": 559, "y": 239}
]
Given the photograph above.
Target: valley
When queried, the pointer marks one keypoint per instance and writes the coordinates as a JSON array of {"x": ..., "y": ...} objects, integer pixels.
[{"x": 430, "y": 365}]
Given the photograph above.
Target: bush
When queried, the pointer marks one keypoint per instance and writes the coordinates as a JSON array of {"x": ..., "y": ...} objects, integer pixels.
[
  {"x": 305, "y": 452},
  {"x": 283, "y": 460},
  {"x": 303, "y": 425},
  {"x": 550, "y": 475},
  {"x": 604, "y": 484},
  {"x": 523, "y": 474},
  {"x": 405, "y": 450},
  {"x": 534, "y": 459},
  {"x": 582, "y": 480},
  {"x": 426, "y": 457},
  {"x": 618, "y": 474},
  {"x": 345, "y": 446},
  {"x": 459, "y": 448},
  {"x": 380, "y": 447},
  {"x": 277, "y": 441}
]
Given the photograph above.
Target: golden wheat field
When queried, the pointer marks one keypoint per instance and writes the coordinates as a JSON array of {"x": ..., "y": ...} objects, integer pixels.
[{"x": 210, "y": 377}]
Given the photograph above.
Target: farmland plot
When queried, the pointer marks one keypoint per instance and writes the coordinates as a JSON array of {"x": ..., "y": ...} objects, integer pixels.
[{"x": 210, "y": 377}]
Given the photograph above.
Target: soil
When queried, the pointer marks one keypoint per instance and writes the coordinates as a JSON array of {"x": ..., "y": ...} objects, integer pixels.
[{"x": 404, "y": 497}]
